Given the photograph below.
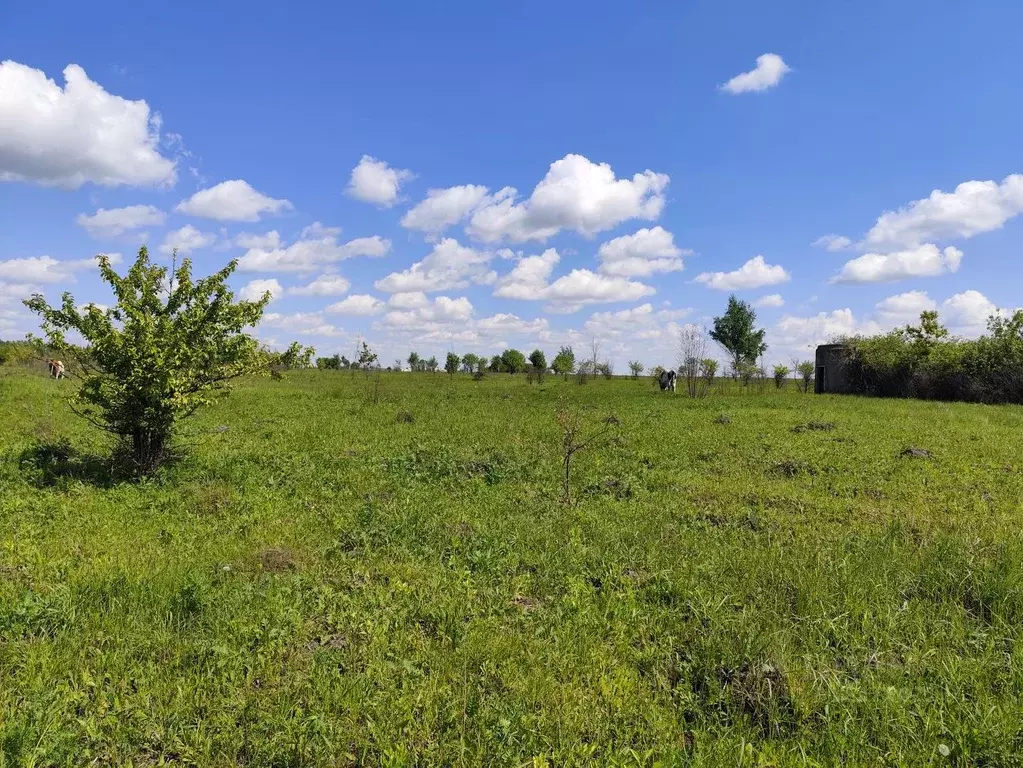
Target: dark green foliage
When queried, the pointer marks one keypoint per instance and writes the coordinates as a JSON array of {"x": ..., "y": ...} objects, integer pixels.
[
  {"x": 513, "y": 361},
  {"x": 451, "y": 363},
  {"x": 538, "y": 360},
  {"x": 923, "y": 361},
  {"x": 736, "y": 332}
]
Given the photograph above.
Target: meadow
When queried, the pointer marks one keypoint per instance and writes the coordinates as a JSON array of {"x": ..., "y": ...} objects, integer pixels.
[{"x": 360, "y": 570}]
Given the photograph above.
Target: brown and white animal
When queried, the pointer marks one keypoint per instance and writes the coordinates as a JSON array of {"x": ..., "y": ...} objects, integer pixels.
[{"x": 56, "y": 368}]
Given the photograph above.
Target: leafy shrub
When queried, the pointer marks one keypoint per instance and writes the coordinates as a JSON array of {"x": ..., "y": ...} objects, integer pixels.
[{"x": 164, "y": 351}]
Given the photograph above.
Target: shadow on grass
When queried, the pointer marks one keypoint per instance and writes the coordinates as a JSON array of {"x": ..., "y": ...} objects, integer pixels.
[{"x": 53, "y": 463}]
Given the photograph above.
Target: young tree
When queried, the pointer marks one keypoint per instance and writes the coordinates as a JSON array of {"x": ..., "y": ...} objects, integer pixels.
[
  {"x": 495, "y": 364},
  {"x": 367, "y": 357},
  {"x": 564, "y": 361},
  {"x": 398, "y": 366},
  {"x": 470, "y": 363},
  {"x": 692, "y": 348},
  {"x": 780, "y": 372},
  {"x": 708, "y": 369},
  {"x": 162, "y": 352},
  {"x": 538, "y": 360},
  {"x": 736, "y": 334},
  {"x": 451, "y": 363},
  {"x": 415, "y": 362},
  {"x": 513, "y": 361},
  {"x": 431, "y": 365},
  {"x": 805, "y": 370},
  {"x": 636, "y": 368}
]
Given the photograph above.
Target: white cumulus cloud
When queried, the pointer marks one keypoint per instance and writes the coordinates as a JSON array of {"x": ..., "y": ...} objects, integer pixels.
[
  {"x": 641, "y": 254},
  {"x": 577, "y": 195},
  {"x": 324, "y": 285},
  {"x": 186, "y": 240},
  {"x": 444, "y": 207},
  {"x": 46, "y": 269},
  {"x": 529, "y": 280},
  {"x": 448, "y": 266},
  {"x": 116, "y": 221},
  {"x": 68, "y": 136},
  {"x": 770, "y": 69},
  {"x": 255, "y": 289},
  {"x": 973, "y": 208},
  {"x": 905, "y": 307},
  {"x": 360, "y": 305},
  {"x": 374, "y": 181},
  {"x": 921, "y": 261},
  {"x": 316, "y": 247},
  {"x": 755, "y": 273},
  {"x": 771, "y": 300},
  {"x": 233, "y": 200},
  {"x": 833, "y": 242},
  {"x": 302, "y": 324}
]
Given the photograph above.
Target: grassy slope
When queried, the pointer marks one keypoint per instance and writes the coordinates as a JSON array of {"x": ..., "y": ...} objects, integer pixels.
[{"x": 320, "y": 583}]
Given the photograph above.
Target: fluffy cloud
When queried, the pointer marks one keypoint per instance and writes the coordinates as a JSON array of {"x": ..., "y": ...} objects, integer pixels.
[
  {"x": 116, "y": 221},
  {"x": 640, "y": 254},
  {"x": 408, "y": 300},
  {"x": 755, "y": 273},
  {"x": 504, "y": 323},
  {"x": 577, "y": 195},
  {"x": 80, "y": 133},
  {"x": 12, "y": 293},
  {"x": 444, "y": 207},
  {"x": 324, "y": 285},
  {"x": 302, "y": 324},
  {"x": 772, "y": 300},
  {"x": 833, "y": 242},
  {"x": 801, "y": 335},
  {"x": 967, "y": 313},
  {"x": 905, "y": 307},
  {"x": 46, "y": 269},
  {"x": 186, "y": 240},
  {"x": 922, "y": 261},
  {"x": 374, "y": 181},
  {"x": 267, "y": 241},
  {"x": 529, "y": 278},
  {"x": 360, "y": 305},
  {"x": 448, "y": 266},
  {"x": 316, "y": 247},
  {"x": 254, "y": 290},
  {"x": 769, "y": 71},
  {"x": 528, "y": 281},
  {"x": 233, "y": 200},
  {"x": 973, "y": 208},
  {"x": 637, "y": 323},
  {"x": 441, "y": 311}
]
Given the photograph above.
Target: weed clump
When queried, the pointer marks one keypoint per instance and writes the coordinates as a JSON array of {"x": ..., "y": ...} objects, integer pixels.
[
  {"x": 404, "y": 417},
  {"x": 916, "y": 453}
]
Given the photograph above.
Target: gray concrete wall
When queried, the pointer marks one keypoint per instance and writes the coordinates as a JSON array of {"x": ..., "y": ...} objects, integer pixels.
[{"x": 829, "y": 370}]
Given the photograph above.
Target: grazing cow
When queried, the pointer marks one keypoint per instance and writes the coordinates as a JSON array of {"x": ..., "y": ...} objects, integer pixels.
[
  {"x": 667, "y": 380},
  {"x": 56, "y": 368}
]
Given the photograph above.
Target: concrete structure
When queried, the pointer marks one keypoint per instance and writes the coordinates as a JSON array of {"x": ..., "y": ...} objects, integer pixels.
[{"x": 829, "y": 370}]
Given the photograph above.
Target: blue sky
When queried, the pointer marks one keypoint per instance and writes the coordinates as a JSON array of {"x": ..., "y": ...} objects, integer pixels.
[{"x": 644, "y": 176}]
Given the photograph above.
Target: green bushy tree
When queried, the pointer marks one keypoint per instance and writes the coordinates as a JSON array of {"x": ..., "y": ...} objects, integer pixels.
[
  {"x": 451, "y": 363},
  {"x": 564, "y": 361},
  {"x": 538, "y": 360},
  {"x": 737, "y": 334},
  {"x": 163, "y": 351},
  {"x": 513, "y": 361}
]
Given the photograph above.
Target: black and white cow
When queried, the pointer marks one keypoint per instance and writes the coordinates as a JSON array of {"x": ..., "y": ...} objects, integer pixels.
[{"x": 667, "y": 380}]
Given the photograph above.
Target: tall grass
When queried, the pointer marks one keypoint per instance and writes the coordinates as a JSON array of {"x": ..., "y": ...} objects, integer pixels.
[{"x": 318, "y": 582}]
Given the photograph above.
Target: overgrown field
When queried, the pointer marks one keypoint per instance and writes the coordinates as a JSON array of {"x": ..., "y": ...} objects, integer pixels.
[{"x": 349, "y": 571}]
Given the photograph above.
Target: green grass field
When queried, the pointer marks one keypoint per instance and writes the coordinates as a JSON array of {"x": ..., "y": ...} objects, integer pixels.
[{"x": 323, "y": 580}]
